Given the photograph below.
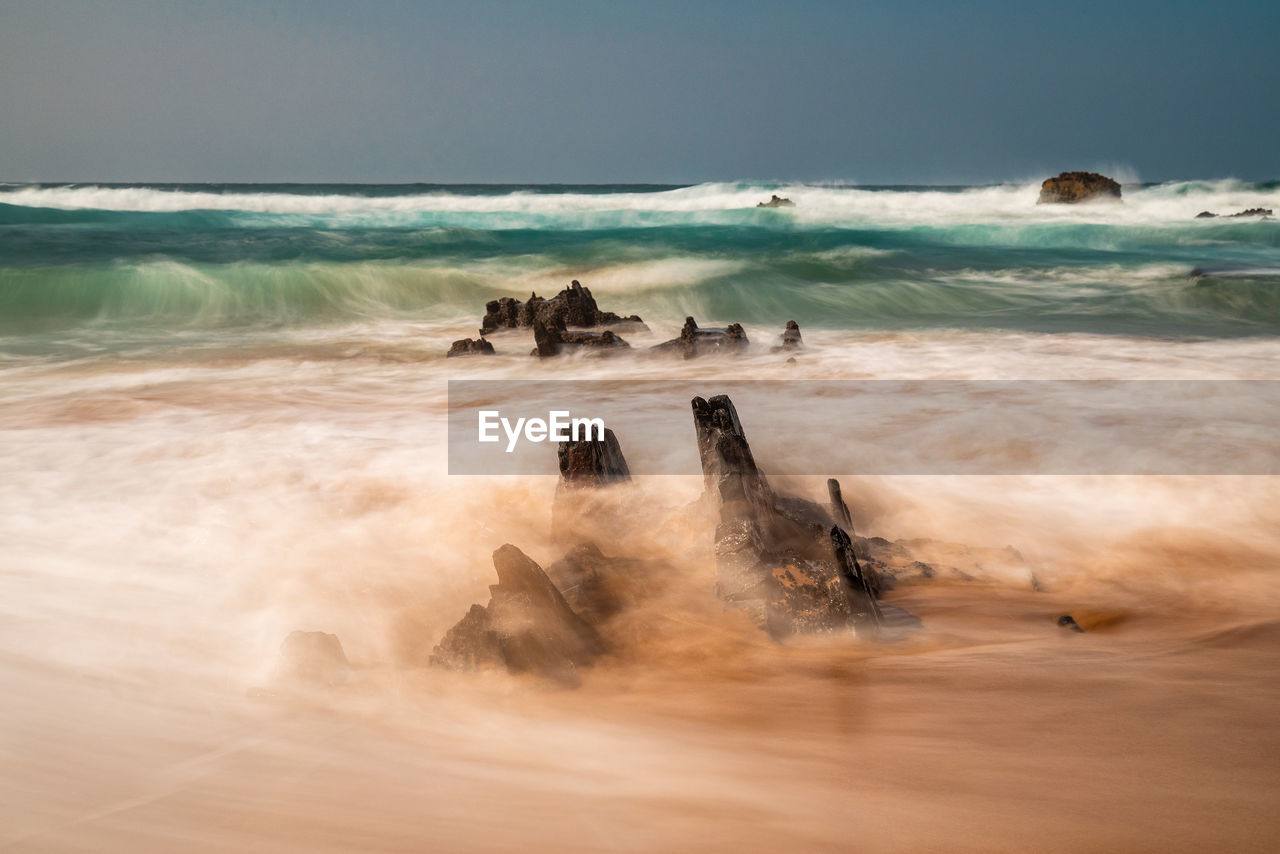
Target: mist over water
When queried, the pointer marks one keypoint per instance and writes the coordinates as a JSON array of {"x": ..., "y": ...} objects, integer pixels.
[{"x": 223, "y": 418}]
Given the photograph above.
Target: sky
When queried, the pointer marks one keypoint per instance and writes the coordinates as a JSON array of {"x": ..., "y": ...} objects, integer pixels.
[{"x": 913, "y": 91}]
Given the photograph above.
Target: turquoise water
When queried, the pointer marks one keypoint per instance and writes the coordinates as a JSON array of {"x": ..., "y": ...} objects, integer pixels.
[{"x": 212, "y": 256}]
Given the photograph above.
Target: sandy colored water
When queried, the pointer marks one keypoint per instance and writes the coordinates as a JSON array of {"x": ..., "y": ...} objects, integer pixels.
[{"x": 166, "y": 521}]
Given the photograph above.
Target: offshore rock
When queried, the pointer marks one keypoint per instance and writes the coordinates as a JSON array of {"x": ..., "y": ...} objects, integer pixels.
[
  {"x": 697, "y": 342},
  {"x": 1071, "y": 187},
  {"x": 1206, "y": 215},
  {"x": 776, "y": 201},
  {"x": 573, "y": 306},
  {"x": 314, "y": 657},
  {"x": 552, "y": 339},
  {"x": 527, "y": 627},
  {"x": 790, "y": 338},
  {"x": 470, "y": 347}
]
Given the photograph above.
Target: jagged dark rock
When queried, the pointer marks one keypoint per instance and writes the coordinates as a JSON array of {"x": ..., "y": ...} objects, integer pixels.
[
  {"x": 527, "y": 627},
  {"x": 840, "y": 512},
  {"x": 510, "y": 313},
  {"x": 697, "y": 342},
  {"x": 862, "y": 599},
  {"x": 1066, "y": 621},
  {"x": 773, "y": 556},
  {"x": 776, "y": 201},
  {"x": 578, "y": 513},
  {"x": 1071, "y": 187},
  {"x": 839, "y": 509},
  {"x": 592, "y": 462},
  {"x": 790, "y": 339},
  {"x": 470, "y": 347},
  {"x": 574, "y": 306},
  {"x": 314, "y": 657},
  {"x": 552, "y": 339}
]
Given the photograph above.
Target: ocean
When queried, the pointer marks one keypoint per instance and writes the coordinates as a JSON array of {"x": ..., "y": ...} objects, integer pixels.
[
  {"x": 223, "y": 418},
  {"x": 867, "y": 259}
]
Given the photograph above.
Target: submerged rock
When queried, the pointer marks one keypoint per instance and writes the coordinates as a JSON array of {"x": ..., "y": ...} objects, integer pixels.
[
  {"x": 550, "y": 338},
  {"x": 1066, "y": 621},
  {"x": 698, "y": 342},
  {"x": 314, "y": 657},
  {"x": 527, "y": 627},
  {"x": 573, "y": 306},
  {"x": 776, "y": 201},
  {"x": 1070, "y": 187},
  {"x": 470, "y": 347}
]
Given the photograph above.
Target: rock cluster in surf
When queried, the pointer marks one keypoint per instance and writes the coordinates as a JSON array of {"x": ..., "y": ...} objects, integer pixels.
[
  {"x": 1258, "y": 212},
  {"x": 694, "y": 341},
  {"x": 572, "y": 322},
  {"x": 791, "y": 565},
  {"x": 573, "y": 306}
]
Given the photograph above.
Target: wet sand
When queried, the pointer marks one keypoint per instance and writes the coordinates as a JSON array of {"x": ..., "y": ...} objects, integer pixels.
[
  {"x": 167, "y": 523},
  {"x": 993, "y": 730}
]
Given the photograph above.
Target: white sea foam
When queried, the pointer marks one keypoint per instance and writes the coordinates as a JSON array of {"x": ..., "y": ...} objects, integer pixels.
[{"x": 815, "y": 204}]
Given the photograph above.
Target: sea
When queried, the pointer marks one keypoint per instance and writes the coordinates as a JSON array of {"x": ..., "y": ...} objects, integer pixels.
[{"x": 224, "y": 417}]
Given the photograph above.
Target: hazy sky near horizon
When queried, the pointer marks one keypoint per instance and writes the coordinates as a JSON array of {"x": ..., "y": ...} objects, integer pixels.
[{"x": 915, "y": 91}]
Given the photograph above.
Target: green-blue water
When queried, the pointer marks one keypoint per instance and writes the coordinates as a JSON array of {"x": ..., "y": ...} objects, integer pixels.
[{"x": 178, "y": 256}]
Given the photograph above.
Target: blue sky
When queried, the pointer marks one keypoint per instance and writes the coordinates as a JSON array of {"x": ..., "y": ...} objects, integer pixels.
[{"x": 902, "y": 92}]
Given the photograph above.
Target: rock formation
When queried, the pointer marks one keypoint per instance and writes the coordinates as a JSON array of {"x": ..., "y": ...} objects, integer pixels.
[
  {"x": 592, "y": 462},
  {"x": 470, "y": 347},
  {"x": 574, "y": 306},
  {"x": 313, "y": 657},
  {"x": 579, "y": 512},
  {"x": 776, "y": 201},
  {"x": 862, "y": 599},
  {"x": 527, "y": 627},
  {"x": 1070, "y": 187},
  {"x": 772, "y": 559},
  {"x": 1260, "y": 212},
  {"x": 790, "y": 339},
  {"x": 550, "y": 338},
  {"x": 698, "y": 342}
]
